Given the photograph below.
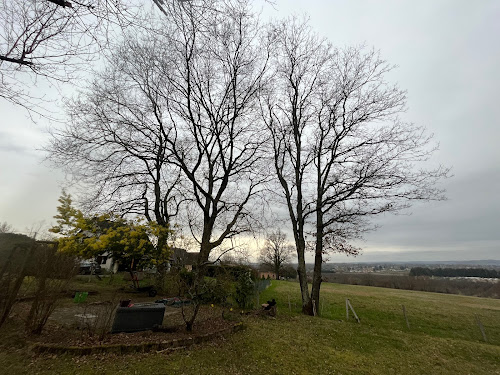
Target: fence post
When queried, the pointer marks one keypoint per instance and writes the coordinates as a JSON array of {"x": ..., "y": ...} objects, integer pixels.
[
  {"x": 481, "y": 327},
  {"x": 352, "y": 309},
  {"x": 406, "y": 317}
]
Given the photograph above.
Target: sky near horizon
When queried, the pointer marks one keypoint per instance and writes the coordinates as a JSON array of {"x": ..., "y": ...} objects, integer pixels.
[{"x": 448, "y": 58}]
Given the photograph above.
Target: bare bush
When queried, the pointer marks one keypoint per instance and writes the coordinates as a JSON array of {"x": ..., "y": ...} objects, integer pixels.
[
  {"x": 53, "y": 272},
  {"x": 17, "y": 251},
  {"x": 99, "y": 318}
]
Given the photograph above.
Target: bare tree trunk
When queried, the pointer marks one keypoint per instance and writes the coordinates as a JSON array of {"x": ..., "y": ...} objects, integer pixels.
[
  {"x": 318, "y": 262},
  {"x": 301, "y": 270},
  {"x": 201, "y": 269},
  {"x": 318, "y": 249},
  {"x": 190, "y": 322}
]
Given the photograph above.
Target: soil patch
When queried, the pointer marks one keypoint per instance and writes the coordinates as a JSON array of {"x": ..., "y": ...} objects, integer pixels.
[{"x": 61, "y": 332}]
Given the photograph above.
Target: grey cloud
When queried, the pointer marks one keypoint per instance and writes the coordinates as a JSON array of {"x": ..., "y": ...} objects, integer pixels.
[
  {"x": 9, "y": 145},
  {"x": 469, "y": 216}
]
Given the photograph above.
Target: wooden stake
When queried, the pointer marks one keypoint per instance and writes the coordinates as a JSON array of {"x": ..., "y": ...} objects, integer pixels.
[
  {"x": 347, "y": 308},
  {"x": 481, "y": 327},
  {"x": 314, "y": 308},
  {"x": 289, "y": 304},
  {"x": 406, "y": 317}
]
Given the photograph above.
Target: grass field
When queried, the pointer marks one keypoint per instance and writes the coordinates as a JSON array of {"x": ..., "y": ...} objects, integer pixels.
[{"x": 443, "y": 339}]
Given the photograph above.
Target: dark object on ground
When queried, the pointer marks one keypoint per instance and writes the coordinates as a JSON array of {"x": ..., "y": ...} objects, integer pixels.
[
  {"x": 269, "y": 308},
  {"x": 125, "y": 303},
  {"x": 269, "y": 305},
  {"x": 174, "y": 301},
  {"x": 151, "y": 290},
  {"x": 139, "y": 317}
]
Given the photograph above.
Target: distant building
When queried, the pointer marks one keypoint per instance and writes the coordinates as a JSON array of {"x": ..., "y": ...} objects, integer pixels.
[
  {"x": 267, "y": 275},
  {"x": 182, "y": 259},
  {"x": 107, "y": 263}
]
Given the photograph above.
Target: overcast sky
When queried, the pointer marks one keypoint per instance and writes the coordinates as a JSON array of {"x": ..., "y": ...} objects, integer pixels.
[{"x": 448, "y": 58}]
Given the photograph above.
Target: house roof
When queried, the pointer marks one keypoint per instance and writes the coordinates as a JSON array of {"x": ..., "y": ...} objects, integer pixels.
[{"x": 182, "y": 257}]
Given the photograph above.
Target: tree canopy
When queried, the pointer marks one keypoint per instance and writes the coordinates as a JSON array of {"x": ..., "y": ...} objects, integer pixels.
[
  {"x": 125, "y": 240},
  {"x": 199, "y": 117},
  {"x": 341, "y": 152}
]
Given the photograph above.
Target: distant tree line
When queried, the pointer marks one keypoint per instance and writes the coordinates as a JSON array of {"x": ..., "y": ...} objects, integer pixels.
[
  {"x": 455, "y": 272},
  {"x": 467, "y": 287}
]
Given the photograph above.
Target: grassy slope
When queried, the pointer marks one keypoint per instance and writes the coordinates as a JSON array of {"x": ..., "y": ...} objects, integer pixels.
[{"x": 443, "y": 339}]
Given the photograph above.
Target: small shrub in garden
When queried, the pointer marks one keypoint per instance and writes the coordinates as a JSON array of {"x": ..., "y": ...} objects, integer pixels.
[
  {"x": 244, "y": 291},
  {"x": 102, "y": 313}
]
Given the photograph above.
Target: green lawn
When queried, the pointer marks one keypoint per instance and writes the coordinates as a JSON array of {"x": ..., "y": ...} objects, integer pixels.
[{"x": 443, "y": 339}]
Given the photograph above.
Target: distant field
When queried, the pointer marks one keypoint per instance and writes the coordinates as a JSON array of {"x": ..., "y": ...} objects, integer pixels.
[
  {"x": 443, "y": 339},
  {"x": 450, "y": 285}
]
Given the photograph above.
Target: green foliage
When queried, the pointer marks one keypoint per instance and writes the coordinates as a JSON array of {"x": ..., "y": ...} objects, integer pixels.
[
  {"x": 216, "y": 290},
  {"x": 209, "y": 290},
  {"x": 67, "y": 216},
  {"x": 232, "y": 271},
  {"x": 186, "y": 278},
  {"x": 244, "y": 291},
  {"x": 127, "y": 241},
  {"x": 288, "y": 272}
]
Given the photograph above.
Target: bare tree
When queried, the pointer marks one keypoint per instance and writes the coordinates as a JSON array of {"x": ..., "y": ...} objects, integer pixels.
[
  {"x": 177, "y": 112},
  {"x": 54, "y": 41},
  {"x": 276, "y": 252},
  {"x": 216, "y": 73},
  {"x": 115, "y": 142},
  {"x": 5, "y": 227},
  {"x": 37, "y": 39},
  {"x": 114, "y": 145},
  {"x": 341, "y": 153}
]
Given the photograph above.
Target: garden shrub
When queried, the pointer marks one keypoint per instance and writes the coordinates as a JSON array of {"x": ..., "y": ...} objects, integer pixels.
[{"x": 244, "y": 291}]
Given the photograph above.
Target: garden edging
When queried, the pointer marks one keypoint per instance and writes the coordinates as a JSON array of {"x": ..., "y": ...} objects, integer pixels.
[{"x": 40, "y": 348}]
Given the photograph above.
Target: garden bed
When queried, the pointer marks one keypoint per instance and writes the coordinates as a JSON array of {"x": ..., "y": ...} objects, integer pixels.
[{"x": 61, "y": 335}]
